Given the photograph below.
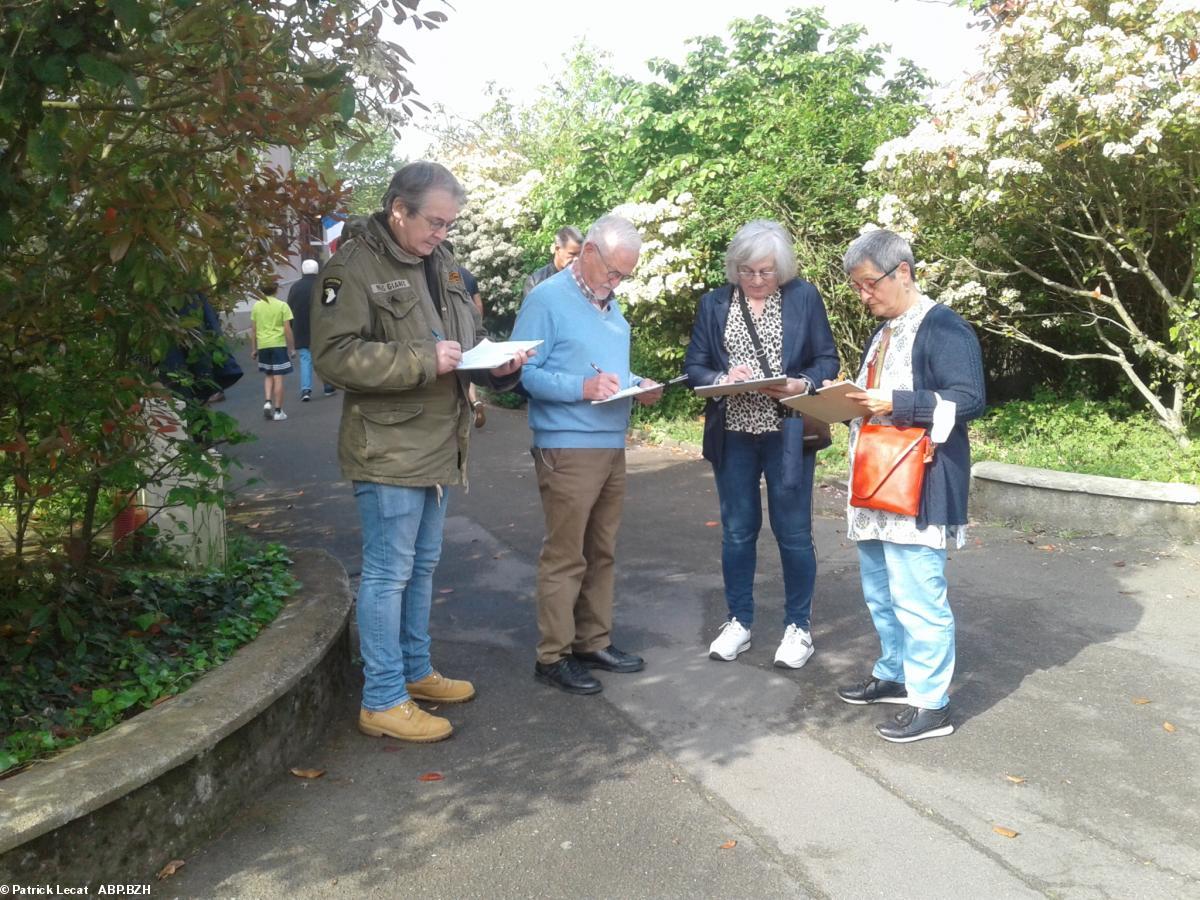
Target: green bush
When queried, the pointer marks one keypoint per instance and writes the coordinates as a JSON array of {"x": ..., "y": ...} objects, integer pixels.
[
  {"x": 1091, "y": 437},
  {"x": 119, "y": 642}
]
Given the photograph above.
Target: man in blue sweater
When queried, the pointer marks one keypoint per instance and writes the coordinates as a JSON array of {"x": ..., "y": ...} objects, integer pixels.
[{"x": 579, "y": 451}]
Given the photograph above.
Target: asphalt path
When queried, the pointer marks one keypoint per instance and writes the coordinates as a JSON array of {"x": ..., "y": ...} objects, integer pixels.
[{"x": 639, "y": 791}]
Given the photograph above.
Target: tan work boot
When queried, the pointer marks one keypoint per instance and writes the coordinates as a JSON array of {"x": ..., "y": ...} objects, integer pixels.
[
  {"x": 408, "y": 722},
  {"x": 439, "y": 689}
]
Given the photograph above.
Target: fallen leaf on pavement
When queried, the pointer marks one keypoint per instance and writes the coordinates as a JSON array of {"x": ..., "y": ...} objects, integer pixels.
[
  {"x": 1004, "y": 832},
  {"x": 1120, "y": 565},
  {"x": 1168, "y": 728},
  {"x": 711, "y": 524},
  {"x": 1015, "y": 779},
  {"x": 446, "y": 591},
  {"x": 1141, "y": 701},
  {"x": 431, "y": 776},
  {"x": 729, "y": 844},
  {"x": 170, "y": 868},
  {"x": 307, "y": 773},
  {"x": 1048, "y": 547},
  {"x": 391, "y": 748}
]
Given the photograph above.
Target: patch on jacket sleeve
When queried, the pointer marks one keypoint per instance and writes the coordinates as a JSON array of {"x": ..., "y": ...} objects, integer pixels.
[
  {"x": 455, "y": 278},
  {"x": 329, "y": 291}
]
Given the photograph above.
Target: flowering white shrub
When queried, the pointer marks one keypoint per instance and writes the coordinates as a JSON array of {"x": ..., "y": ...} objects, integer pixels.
[
  {"x": 669, "y": 277},
  {"x": 1068, "y": 167},
  {"x": 498, "y": 185}
]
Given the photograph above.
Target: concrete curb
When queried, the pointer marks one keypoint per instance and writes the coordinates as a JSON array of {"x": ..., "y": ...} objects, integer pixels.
[
  {"x": 1089, "y": 504},
  {"x": 119, "y": 806}
]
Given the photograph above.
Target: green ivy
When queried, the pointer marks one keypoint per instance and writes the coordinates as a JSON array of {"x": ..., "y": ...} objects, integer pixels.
[{"x": 117, "y": 643}]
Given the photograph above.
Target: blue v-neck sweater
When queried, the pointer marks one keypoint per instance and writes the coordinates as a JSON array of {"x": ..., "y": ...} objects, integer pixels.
[{"x": 576, "y": 334}]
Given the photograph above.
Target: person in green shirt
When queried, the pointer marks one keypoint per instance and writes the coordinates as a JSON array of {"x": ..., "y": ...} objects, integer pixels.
[{"x": 272, "y": 346}]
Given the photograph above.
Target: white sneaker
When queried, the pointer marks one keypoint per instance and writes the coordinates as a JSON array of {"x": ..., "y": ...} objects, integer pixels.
[
  {"x": 795, "y": 648},
  {"x": 280, "y": 415},
  {"x": 733, "y": 639}
]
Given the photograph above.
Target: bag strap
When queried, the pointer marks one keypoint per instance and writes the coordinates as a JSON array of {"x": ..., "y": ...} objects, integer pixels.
[{"x": 754, "y": 338}]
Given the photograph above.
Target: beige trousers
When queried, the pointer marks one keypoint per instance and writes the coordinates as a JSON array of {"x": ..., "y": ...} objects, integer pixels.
[{"x": 582, "y": 492}]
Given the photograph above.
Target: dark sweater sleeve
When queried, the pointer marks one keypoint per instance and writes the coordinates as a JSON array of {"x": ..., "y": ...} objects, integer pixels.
[
  {"x": 947, "y": 361},
  {"x": 702, "y": 362},
  {"x": 822, "y": 351}
]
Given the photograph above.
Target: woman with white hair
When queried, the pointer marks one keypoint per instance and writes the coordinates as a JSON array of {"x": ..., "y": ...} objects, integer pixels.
[
  {"x": 922, "y": 368},
  {"x": 765, "y": 322}
]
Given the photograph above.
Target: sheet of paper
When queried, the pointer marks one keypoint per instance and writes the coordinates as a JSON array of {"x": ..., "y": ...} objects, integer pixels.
[
  {"x": 739, "y": 387},
  {"x": 490, "y": 354},
  {"x": 829, "y": 404},
  {"x": 634, "y": 391}
]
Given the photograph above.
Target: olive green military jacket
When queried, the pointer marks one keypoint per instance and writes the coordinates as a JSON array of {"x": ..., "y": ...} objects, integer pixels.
[{"x": 375, "y": 328}]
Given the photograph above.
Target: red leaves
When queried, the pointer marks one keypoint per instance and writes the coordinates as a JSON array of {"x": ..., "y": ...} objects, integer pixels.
[{"x": 431, "y": 776}]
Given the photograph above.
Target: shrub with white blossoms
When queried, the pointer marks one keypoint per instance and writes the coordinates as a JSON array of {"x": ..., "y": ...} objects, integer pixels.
[
  {"x": 670, "y": 274},
  {"x": 1068, "y": 169},
  {"x": 486, "y": 237}
]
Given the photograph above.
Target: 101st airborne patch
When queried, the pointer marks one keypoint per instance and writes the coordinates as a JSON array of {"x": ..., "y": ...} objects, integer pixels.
[{"x": 329, "y": 291}]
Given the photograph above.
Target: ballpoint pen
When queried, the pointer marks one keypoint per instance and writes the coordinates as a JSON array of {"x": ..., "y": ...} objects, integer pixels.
[
  {"x": 599, "y": 371},
  {"x": 437, "y": 335}
]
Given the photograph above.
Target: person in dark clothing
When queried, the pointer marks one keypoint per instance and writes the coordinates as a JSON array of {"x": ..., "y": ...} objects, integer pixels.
[{"x": 299, "y": 299}]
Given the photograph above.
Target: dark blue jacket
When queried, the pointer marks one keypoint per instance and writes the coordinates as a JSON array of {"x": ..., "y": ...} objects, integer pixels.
[
  {"x": 946, "y": 359},
  {"x": 808, "y": 350}
]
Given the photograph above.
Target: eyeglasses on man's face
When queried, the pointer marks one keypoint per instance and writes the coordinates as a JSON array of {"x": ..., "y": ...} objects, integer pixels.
[
  {"x": 869, "y": 284},
  {"x": 612, "y": 275},
  {"x": 749, "y": 274},
  {"x": 438, "y": 224}
]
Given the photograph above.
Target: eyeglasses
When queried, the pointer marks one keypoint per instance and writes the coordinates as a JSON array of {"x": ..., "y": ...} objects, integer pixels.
[
  {"x": 438, "y": 224},
  {"x": 750, "y": 274},
  {"x": 612, "y": 274},
  {"x": 870, "y": 284}
]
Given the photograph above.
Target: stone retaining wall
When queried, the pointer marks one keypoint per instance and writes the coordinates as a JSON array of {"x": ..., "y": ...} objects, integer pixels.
[{"x": 121, "y": 805}]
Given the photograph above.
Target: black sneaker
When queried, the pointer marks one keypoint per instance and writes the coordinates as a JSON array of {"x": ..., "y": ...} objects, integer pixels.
[
  {"x": 913, "y": 724},
  {"x": 874, "y": 690},
  {"x": 305, "y": 396},
  {"x": 329, "y": 390},
  {"x": 568, "y": 674}
]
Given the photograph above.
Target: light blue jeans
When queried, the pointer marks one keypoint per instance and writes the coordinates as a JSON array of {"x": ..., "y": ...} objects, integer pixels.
[
  {"x": 905, "y": 589},
  {"x": 402, "y": 542},
  {"x": 306, "y": 369}
]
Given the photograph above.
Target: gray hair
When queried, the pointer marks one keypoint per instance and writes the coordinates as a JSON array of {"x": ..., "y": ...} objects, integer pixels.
[
  {"x": 612, "y": 232},
  {"x": 413, "y": 182},
  {"x": 883, "y": 249},
  {"x": 568, "y": 234},
  {"x": 761, "y": 239}
]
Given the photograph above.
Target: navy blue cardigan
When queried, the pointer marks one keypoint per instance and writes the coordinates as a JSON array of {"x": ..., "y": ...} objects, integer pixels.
[
  {"x": 808, "y": 349},
  {"x": 945, "y": 359}
]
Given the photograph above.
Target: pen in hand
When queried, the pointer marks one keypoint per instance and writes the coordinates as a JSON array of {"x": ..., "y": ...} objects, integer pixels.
[{"x": 599, "y": 371}]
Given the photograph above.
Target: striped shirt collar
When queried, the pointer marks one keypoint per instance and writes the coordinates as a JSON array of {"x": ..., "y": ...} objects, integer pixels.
[{"x": 587, "y": 292}]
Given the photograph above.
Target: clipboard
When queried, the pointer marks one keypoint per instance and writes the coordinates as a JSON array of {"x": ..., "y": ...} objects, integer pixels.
[
  {"x": 739, "y": 387},
  {"x": 829, "y": 404},
  {"x": 634, "y": 391}
]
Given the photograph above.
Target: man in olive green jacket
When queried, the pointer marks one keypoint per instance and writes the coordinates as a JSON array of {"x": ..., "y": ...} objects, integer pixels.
[{"x": 390, "y": 320}]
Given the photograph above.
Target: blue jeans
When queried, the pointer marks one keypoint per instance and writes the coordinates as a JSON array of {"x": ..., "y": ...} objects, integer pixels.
[
  {"x": 402, "y": 542},
  {"x": 306, "y": 369},
  {"x": 745, "y": 459},
  {"x": 905, "y": 589}
]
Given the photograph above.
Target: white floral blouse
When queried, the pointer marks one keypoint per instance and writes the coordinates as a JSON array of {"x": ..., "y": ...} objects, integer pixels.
[
  {"x": 754, "y": 413},
  {"x": 876, "y": 524}
]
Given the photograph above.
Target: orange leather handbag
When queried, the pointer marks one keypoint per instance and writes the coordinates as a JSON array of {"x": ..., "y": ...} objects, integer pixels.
[{"x": 889, "y": 468}]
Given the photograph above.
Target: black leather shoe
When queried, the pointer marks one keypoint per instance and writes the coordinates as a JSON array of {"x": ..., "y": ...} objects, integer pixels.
[
  {"x": 874, "y": 690},
  {"x": 610, "y": 659},
  {"x": 567, "y": 675},
  {"x": 912, "y": 724}
]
